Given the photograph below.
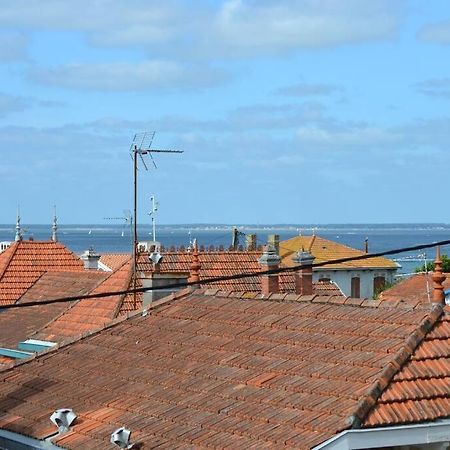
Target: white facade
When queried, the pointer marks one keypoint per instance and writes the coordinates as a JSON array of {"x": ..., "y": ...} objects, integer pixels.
[{"x": 343, "y": 278}]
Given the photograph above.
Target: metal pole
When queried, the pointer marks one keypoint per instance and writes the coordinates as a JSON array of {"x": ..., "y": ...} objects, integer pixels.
[
  {"x": 135, "y": 237},
  {"x": 153, "y": 218}
]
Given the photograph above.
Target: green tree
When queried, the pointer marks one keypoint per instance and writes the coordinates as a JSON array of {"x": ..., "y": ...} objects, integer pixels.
[{"x": 430, "y": 265}]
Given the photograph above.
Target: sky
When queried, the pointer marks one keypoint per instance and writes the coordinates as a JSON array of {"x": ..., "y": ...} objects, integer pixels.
[{"x": 288, "y": 111}]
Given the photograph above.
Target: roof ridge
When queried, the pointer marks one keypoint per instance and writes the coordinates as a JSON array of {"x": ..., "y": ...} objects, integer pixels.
[
  {"x": 374, "y": 392},
  {"x": 14, "y": 248},
  {"x": 129, "y": 280}
]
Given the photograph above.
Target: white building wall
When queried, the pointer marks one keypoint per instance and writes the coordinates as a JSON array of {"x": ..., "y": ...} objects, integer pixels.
[{"x": 343, "y": 278}]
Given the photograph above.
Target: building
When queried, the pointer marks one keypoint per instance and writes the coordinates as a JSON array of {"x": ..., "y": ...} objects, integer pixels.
[
  {"x": 209, "y": 369},
  {"x": 38, "y": 271},
  {"x": 360, "y": 278}
]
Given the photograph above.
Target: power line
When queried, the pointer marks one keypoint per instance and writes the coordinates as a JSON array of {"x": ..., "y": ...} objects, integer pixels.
[{"x": 238, "y": 276}]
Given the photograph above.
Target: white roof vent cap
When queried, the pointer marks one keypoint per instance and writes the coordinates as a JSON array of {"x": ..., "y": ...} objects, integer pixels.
[
  {"x": 121, "y": 438},
  {"x": 63, "y": 418}
]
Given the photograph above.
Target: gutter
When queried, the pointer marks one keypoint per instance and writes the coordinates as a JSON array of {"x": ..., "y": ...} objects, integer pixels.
[
  {"x": 419, "y": 434},
  {"x": 16, "y": 441}
]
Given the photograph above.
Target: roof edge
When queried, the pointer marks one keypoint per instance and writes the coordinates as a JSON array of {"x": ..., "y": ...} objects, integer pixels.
[
  {"x": 374, "y": 392},
  {"x": 13, "y": 252}
]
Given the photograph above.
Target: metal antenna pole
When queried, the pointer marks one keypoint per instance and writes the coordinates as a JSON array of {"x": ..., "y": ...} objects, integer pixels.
[
  {"x": 141, "y": 146},
  {"x": 153, "y": 215},
  {"x": 135, "y": 238}
]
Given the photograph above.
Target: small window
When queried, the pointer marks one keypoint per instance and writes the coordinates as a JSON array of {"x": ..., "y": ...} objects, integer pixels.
[{"x": 356, "y": 287}]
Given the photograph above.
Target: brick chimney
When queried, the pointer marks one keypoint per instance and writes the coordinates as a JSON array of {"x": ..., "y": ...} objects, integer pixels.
[
  {"x": 303, "y": 276},
  {"x": 274, "y": 241},
  {"x": 438, "y": 278},
  {"x": 250, "y": 242},
  {"x": 90, "y": 259},
  {"x": 269, "y": 260}
]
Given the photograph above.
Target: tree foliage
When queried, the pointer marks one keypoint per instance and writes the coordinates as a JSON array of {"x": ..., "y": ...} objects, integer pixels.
[{"x": 430, "y": 265}]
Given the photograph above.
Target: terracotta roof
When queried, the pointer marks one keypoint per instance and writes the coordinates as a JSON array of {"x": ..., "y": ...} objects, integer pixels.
[
  {"x": 326, "y": 250},
  {"x": 223, "y": 263},
  {"x": 114, "y": 261},
  {"x": 18, "y": 324},
  {"x": 420, "y": 391},
  {"x": 88, "y": 314},
  {"x": 24, "y": 262},
  {"x": 413, "y": 289},
  {"x": 215, "y": 370}
]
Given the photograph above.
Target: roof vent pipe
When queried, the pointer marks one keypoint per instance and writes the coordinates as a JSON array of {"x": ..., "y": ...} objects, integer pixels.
[
  {"x": 63, "y": 418},
  {"x": 121, "y": 438}
]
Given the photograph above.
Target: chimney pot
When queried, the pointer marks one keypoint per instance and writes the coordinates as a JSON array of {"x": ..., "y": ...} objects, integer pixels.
[
  {"x": 90, "y": 259},
  {"x": 270, "y": 260},
  {"x": 438, "y": 278},
  {"x": 304, "y": 276},
  {"x": 274, "y": 241}
]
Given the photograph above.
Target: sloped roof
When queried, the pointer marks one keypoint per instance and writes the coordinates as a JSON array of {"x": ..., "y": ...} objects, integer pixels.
[
  {"x": 88, "y": 314},
  {"x": 23, "y": 263},
  {"x": 18, "y": 324},
  {"x": 420, "y": 391},
  {"x": 114, "y": 261},
  {"x": 211, "y": 369},
  {"x": 413, "y": 289},
  {"x": 220, "y": 263},
  {"x": 326, "y": 250}
]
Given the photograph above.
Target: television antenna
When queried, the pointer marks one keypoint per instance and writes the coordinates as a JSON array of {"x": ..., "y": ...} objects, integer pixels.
[
  {"x": 127, "y": 221},
  {"x": 140, "y": 146}
]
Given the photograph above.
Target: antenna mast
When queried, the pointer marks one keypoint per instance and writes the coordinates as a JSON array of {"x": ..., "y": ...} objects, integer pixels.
[
  {"x": 141, "y": 146},
  {"x": 152, "y": 214}
]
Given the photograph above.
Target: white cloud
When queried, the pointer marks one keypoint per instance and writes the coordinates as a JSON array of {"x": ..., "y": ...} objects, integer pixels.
[
  {"x": 309, "y": 90},
  {"x": 438, "y": 33},
  {"x": 130, "y": 76},
  {"x": 278, "y": 26},
  {"x": 230, "y": 28},
  {"x": 12, "y": 103},
  {"x": 438, "y": 87}
]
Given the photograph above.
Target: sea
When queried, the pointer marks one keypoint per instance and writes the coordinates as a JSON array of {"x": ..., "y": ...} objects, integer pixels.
[{"x": 117, "y": 239}]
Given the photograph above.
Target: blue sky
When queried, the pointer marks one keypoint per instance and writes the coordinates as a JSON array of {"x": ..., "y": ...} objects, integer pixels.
[{"x": 330, "y": 111}]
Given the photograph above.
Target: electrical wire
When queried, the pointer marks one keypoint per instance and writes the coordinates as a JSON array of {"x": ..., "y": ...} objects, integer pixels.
[{"x": 227, "y": 277}]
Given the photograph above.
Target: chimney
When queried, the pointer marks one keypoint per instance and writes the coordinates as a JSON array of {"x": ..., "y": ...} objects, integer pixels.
[
  {"x": 194, "y": 275},
  {"x": 366, "y": 245},
  {"x": 274, "y": 241},
  {"x": 304, "y": 276},
  {"x": 269, "y": 260},
  {"x": 438, "y": 278},
  {"x": 250, "y": 242},
  {"x": 90, "y": 259}
]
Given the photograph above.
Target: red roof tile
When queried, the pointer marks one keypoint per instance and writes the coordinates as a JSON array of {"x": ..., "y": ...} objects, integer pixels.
[
  {"x": 217, "y": 371},
  {"x": 215, "y": 264},
  {"x": 420, "y": 391},
  {"x": 19, "y": 324},
  {"x": 24, "y": 262},
  {"x": 88, "y": 314},
  {"x": 417, "y": 288}
]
